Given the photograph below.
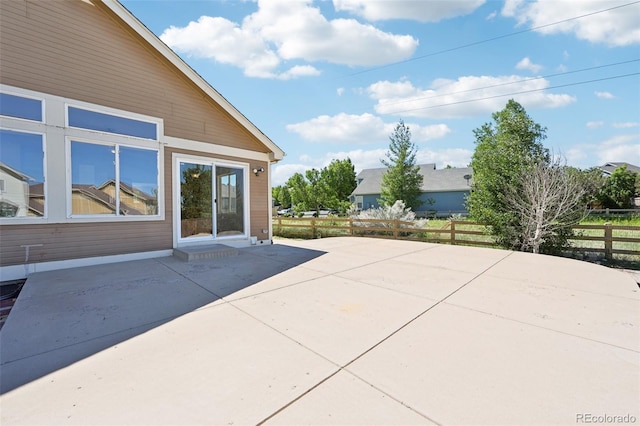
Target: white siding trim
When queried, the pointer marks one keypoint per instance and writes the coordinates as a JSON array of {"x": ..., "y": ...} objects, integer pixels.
[
  {"x": 15, "y": 272},
  {"x": 214, "y": 149}
]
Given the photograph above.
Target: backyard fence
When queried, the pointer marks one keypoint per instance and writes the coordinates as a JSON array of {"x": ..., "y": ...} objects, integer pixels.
[{"x": 609, "y": 241}]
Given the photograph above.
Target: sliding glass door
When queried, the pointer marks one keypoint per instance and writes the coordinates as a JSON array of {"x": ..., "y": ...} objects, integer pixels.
[{"x": 212, "y": 200}]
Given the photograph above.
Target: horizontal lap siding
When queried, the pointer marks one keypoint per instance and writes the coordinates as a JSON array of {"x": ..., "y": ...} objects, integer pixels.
[
  {"x": 83, "y": 52},
  {"x": 81, "y": 240}
]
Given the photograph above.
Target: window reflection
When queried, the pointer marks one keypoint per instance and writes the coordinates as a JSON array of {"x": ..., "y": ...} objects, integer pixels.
[
  {"x": 21, "y": 174},
  {"x": 96, "y": 189},
  {"x": 230, "y": 206},
  {"x": 196, "y": 200}
]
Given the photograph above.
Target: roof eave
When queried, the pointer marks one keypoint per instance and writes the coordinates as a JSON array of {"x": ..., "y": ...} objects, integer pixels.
[{"x": 123, "y": 13}]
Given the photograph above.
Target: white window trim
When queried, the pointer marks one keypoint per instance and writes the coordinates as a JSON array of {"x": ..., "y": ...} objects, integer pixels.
[
  {"x": 214, "y": 162},
  {"x": 112, "y": 217}
]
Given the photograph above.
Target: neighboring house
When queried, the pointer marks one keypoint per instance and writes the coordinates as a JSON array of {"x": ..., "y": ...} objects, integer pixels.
[
  {"x": 443, "y": 190},
  {"x": 608, "y": 168},
  {"x": 14, "y": 192},
  {"x": 112, "y": 148}
]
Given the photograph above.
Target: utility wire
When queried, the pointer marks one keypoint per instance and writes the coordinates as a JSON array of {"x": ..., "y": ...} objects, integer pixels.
[
  {"x": 512, "y": 82},
  {"x": 464, "y": 46},
  {"x": 516, "y": 93}
]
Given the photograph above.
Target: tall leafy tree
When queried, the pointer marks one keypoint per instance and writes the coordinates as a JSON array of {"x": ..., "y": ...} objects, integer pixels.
[
  {"x": 505, "y": 150},
  {"x": 402, "y": 180},
  {"x": 619, "y": 189},
  {"x": 281, "y": 196},
  {"x": 327, "y": 188},
  {"x": 339, "y": 181}
]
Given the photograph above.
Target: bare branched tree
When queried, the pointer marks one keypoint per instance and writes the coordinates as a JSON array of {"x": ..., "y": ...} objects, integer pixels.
[{"x": 548, "y": 200}]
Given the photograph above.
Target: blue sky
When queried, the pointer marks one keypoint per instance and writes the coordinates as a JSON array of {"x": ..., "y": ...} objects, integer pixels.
[{"x": 331, "y": 79}]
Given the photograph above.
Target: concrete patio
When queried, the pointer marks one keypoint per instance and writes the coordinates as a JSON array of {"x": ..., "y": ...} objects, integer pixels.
[{"x": 331, "y": 331}]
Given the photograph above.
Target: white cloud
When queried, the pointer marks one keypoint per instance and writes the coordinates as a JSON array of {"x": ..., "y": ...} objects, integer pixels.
[
  {"x": 526, "y": 64},
  {"x": 361, "y": 129},
  {"x": 617, "y": 27},
  {"x": 287, "y": 31},
  {"x": 594, "y": 124},
  {"x": 604, "y": 95},
  {"x": 575, "y": 156},
  {"x": 280, "y": 173},
  {"x": 620, "y": 148},
  {"x": 467, "y": 96},
  {"x": 454, "y": 157},
  {"x": 626, "y": 125},
  {"x": 340, "y": 91},
  {"x": 378, "y": 10}
]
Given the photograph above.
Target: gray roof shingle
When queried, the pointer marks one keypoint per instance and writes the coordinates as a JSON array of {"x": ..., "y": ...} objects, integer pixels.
[{"x": 442, "y": 180}]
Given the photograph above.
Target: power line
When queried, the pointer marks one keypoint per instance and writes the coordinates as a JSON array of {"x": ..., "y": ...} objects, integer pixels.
[
  {"x": 517, "y": 93},
  {"x": 464, "y": 46},
  {"x": 512, "y": 82}
]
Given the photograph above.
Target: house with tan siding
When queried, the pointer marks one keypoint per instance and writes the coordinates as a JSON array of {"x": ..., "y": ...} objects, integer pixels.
[{"x": 117, "y": 149}]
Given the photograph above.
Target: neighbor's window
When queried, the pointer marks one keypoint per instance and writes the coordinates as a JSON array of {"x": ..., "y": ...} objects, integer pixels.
[
  {"x": 92, "y": 120},
  {"x": 113, "y": 180},
  {"x": 21, "y": 174},
  {"x": 20, "y": 107}
]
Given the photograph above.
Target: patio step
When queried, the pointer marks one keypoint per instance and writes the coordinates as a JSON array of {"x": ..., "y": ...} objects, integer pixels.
[{"x": 213, "y": 251}]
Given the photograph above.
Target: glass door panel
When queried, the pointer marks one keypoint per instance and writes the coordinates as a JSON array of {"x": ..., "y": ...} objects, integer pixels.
[
  {"x": 230, "y": 201},
  {"x": 196, "y": 200}
]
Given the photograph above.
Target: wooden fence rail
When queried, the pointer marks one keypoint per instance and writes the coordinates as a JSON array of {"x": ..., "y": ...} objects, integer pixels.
[{"x": 608, "y": 240}]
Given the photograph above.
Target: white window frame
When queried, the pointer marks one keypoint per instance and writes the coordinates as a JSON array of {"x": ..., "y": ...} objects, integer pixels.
[
  {"x": 21, "y": 93},
  {"x": 25, "y": 125},
  {"x": 116, "y": 113},
  {"x": 57, "y": 156},
  {"x": 27, "y": 219},
  {"x": 213, "y": 162},
  {"x": 116, "y": 216}
]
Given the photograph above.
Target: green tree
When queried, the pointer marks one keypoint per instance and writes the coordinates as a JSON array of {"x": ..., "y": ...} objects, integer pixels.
[
  {"x": 619, "y": 189},
  {"x": 281, "y": 196},
  {"x": 306, "y": 191},
  {"x": 591, "y": 182},
  {"x": 403, "y": 180},
  {"x": 327, "y": 188},
  {"x": 338, "y": 181},
  {"x": 505, "y": 150}
]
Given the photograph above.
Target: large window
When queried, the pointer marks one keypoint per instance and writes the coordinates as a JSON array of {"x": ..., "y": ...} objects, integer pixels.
[
  {"x": 22, "y": 161},
  {"x": 113, "y": 180},
  {"x": 92, "y": 120}
]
